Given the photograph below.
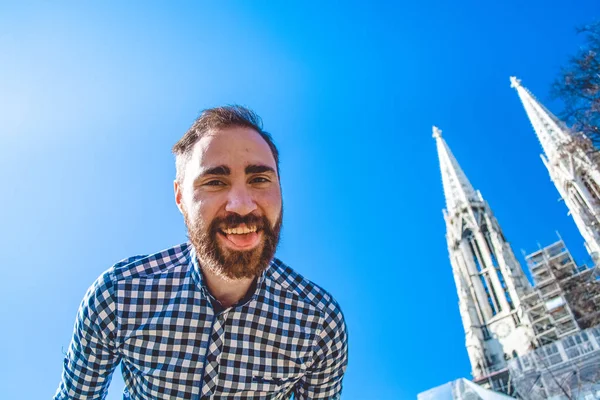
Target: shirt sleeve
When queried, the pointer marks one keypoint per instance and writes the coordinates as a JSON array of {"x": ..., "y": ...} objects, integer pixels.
[
  {"x": 324, "y": 378},
  {"x": 92, "y": 356}
]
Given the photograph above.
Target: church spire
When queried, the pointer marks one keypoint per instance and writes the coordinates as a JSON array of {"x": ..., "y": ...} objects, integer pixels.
[
  {"x": 489, "y": 280},
  {"x": 457, "y": 189},
  {"x": 570, "y": 163},
  {"x": 551, "y": 132}
]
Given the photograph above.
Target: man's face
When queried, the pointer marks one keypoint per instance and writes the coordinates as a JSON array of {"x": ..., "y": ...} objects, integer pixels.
[{"x": 230, "y": 199}]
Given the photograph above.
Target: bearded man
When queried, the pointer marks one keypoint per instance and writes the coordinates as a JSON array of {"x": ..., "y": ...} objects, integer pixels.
[{"x": 219, "y": 316}]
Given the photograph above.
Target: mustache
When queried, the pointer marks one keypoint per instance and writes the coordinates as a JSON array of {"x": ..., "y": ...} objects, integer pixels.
[{"x": 234, "y": 220}]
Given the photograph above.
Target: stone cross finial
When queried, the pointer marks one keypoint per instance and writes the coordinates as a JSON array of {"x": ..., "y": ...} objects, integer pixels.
[{"x": 514, "y": 82}]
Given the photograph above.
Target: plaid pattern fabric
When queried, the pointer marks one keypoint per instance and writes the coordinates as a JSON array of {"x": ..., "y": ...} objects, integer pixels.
[{"x": 155, "y": 316}]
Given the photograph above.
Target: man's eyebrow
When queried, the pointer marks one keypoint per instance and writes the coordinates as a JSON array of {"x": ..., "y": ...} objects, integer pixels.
[
  {"x": 258, "y": 169},
  {"x": 220, "y": 170}
]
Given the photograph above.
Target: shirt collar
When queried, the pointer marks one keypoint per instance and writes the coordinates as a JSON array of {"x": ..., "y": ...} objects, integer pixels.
[{"x": 197, "y": 276}]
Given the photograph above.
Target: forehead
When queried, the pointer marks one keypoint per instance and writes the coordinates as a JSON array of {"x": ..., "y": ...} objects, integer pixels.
[{"x": 233, "y": 147}]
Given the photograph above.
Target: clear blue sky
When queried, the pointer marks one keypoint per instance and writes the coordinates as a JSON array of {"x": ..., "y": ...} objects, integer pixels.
[{"x": 94, "y": 94}]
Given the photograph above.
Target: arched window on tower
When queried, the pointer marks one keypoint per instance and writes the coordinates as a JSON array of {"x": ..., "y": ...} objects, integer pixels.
[
  {"x": 505, "y": 288},
  {"x": 490, "y": 293},
  {"x": 576, "y": 196},
  {"x": 479, "y": 252},
  {"x": 592, "y": 186},
  {"x": 470, "y": 239},
  {"x": 593, "y": 189},
  {"x": 490, "y": 245}
]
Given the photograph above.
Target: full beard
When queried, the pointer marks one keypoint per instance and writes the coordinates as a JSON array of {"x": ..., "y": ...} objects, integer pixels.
[{"x": 228, "y": 263}]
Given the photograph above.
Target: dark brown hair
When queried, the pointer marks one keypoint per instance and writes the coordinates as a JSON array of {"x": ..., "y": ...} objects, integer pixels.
[{"x": 220, "y": 118}]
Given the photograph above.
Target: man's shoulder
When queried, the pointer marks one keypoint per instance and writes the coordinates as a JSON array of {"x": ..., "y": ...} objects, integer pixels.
[
  {"x": 292, "y": 282},
  {"x": 172, "y": 260}
]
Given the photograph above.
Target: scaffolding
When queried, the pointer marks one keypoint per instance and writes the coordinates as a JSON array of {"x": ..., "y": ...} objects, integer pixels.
[
  {"x": 566, "y": 369},
  {"x": 548, "y": 305}
]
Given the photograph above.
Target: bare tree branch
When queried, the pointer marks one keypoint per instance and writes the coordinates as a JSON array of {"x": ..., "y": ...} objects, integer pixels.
[{"x": 578, "y": 86}]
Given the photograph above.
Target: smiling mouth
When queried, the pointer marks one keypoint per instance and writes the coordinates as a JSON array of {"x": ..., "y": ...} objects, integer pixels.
[
  {"x": 241, "y": 237},
  {"x": 240, "y": 230}
]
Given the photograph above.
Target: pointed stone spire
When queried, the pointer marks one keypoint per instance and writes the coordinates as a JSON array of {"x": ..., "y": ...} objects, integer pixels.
[
  {"x": 551, "y": 132},
  {"x": 568, "y": 158},
  {"x": 457, "y": 189},
  {"x": 489, "y": 280}
]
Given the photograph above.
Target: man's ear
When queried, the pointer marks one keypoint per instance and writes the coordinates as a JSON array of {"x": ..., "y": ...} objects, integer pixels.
[{"x": 178, "y": 195}]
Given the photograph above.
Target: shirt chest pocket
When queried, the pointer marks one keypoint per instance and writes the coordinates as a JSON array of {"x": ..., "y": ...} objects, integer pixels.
[
  {"x": 263, "y": 386},
  {"x": 259, "y": 377}
]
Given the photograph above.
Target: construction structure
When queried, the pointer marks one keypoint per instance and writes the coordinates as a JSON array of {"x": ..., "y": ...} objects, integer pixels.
[
  {"x": 489, "y": 279},
  {"x": 548, "y": 305},
  {"x": 566, "y": 369}
]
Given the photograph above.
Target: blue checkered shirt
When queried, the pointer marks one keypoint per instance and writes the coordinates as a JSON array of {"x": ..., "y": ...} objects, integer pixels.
[{"x": 155, "y": 316}]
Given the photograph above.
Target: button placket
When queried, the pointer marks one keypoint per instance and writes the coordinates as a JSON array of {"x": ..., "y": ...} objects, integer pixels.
[{"x": 213, "y": 356}]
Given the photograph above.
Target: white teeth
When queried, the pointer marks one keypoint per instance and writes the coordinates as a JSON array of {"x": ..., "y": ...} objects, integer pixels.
[{"x": 240, "y": 230}]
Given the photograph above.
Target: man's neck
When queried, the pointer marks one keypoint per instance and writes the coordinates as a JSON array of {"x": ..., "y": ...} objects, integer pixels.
[{"x": 226, "y": 291}]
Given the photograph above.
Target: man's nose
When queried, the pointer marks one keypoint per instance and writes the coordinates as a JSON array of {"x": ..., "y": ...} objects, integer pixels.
[{"x": 240, "y": 201}]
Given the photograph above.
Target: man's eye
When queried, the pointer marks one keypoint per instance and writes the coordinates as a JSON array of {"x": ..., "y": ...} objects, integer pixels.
[
  {"x": 260, "y": 179},
  {"x": 214, "y": 183}
]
